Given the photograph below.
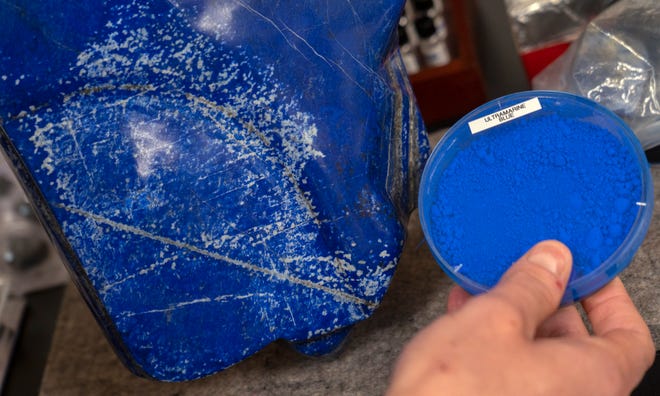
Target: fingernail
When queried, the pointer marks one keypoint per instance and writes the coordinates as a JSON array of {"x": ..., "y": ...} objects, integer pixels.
[{"x": 545, "y": 260}]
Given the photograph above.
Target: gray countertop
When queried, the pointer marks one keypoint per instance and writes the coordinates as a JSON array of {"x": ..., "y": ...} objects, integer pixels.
[{"x": 81, "y": 361}]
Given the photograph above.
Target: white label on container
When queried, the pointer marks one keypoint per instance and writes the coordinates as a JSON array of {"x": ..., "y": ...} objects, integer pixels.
[{"x": 504, "y": 115}]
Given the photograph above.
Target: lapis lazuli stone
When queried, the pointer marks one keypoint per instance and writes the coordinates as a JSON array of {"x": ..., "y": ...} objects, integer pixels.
[{"x": 217, "y": 175}]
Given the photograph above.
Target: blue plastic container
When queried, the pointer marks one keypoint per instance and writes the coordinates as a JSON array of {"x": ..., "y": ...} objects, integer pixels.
[{"x": 532, "y": 166}]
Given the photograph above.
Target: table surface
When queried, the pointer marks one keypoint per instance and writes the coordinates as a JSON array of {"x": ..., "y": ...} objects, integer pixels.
[{"x": 81, "y": 361}]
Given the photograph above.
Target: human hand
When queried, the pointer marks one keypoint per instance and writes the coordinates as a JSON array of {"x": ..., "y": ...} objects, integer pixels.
[{"x": 514, "y": 340}]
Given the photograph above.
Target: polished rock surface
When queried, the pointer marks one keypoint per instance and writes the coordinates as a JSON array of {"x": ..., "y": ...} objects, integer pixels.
[{"x": 218, "y": 175}]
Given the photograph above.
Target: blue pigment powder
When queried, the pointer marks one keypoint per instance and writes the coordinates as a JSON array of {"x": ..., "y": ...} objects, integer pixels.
[{"x": 538, "y": 177}]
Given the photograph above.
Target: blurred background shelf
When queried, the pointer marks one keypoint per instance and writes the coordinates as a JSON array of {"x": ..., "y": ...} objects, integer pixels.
[{"x": 485, "y": 63}]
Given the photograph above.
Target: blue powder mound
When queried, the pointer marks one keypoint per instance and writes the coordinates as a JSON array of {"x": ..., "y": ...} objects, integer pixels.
[{"x": 538, "y": 177}]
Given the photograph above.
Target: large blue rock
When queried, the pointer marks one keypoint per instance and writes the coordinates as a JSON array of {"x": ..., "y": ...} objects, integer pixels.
[{"x": 217, "y": 175}]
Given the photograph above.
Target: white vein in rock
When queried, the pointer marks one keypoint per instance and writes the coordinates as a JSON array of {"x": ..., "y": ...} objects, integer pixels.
[{"x": 251, "y": 267}]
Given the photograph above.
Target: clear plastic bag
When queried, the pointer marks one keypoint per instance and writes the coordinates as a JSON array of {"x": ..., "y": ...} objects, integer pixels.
[
  {"x": 536, "y": 24},
  {"x": 615, "y": 62}
]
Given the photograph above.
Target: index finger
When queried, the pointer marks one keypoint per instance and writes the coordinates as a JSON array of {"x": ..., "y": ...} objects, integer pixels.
[
  {"x": 615, "y": 318},
  {"x": 611, "y": 309}
]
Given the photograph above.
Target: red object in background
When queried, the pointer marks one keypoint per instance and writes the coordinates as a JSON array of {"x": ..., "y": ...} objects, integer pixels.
[
  {"x": 537, "y": 60},
  {"x": 448, "y": 92}
]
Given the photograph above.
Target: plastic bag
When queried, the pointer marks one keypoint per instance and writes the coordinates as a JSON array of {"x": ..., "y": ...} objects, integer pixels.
[
  {"x": 538, "y": 23},
  {"x": 616, "y": 62}
]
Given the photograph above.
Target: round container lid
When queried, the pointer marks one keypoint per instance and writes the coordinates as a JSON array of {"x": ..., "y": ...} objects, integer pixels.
[{"x": 533, "y": 166}]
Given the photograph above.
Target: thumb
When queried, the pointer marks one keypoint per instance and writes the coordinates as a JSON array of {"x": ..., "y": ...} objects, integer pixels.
[{"x": 535, "y": 284}]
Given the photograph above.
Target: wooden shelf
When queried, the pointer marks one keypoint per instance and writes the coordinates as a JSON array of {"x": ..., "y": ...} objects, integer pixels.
[{"x": 446, "y": 93}]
